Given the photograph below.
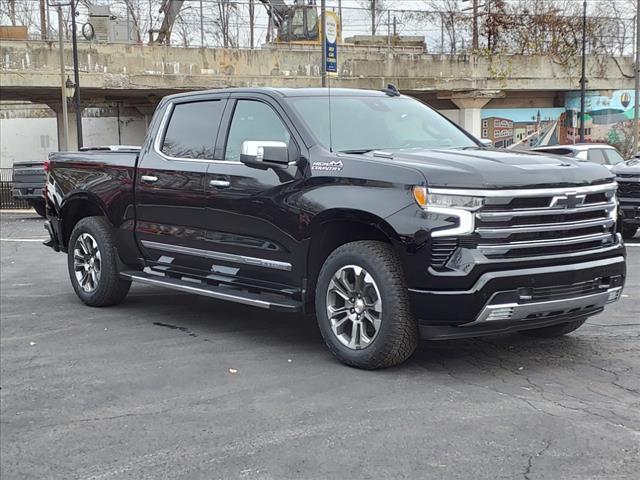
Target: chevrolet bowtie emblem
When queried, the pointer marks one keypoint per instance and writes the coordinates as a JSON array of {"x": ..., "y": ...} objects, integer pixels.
[{"x": 568, "y": 200}]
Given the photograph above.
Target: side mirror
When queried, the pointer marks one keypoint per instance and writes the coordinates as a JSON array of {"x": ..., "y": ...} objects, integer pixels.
[
  {"x": 486, "y": 142},
  {"x": 264, "y": 154}
]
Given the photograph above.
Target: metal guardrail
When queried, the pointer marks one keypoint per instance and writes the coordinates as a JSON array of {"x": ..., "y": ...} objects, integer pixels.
[{"x": 7, "y": 202}]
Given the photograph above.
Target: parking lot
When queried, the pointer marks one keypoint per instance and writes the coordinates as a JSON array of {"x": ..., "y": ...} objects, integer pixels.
[{"x": 169, "y": 385}]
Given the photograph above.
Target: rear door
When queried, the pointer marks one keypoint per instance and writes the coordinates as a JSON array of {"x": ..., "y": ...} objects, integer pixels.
[
  {"x": 170, "y": 183},
  {"x": 253, "y": 233}
]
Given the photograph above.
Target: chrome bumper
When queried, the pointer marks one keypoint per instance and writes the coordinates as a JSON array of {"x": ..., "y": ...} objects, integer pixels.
[{"x": 538, "y": 310}]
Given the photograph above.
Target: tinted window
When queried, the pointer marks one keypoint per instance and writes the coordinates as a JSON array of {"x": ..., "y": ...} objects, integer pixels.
[
  {"x": 597, "y": 156},
  {"x": 613, "y": 156},
  {"x": 192, "y": 130},
  {"x": 253, "y": 120}
]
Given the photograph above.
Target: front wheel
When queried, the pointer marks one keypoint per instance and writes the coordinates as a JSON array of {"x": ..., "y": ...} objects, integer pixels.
[
  {"x": 93, "y": 264},
  {"x": 363, "y": 308},
  {"x": 554, "y": 330}
]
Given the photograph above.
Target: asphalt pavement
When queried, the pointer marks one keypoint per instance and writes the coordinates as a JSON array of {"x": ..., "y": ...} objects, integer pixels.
[{"x": 170, "y": 385}]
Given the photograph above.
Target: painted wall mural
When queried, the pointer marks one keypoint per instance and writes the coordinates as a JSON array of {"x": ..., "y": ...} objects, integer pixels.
[{"x": 608, "y": 119}]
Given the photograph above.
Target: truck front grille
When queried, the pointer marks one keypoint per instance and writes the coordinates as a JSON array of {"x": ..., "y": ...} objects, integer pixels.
[
  {"x": 628, "y": 186},
  {"x": 523, "y": 223}
]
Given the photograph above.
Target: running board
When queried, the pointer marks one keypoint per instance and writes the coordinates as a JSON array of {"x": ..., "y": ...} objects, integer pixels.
[{"x": 263, "y": 300}]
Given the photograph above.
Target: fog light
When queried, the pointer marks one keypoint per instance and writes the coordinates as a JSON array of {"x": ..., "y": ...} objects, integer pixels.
[
  {"x": 502, "y": 313},
  {"x": 614, "y": 295}
]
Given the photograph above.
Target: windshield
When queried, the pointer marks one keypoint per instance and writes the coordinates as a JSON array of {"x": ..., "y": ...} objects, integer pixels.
[{"x": 361, "y": 124}]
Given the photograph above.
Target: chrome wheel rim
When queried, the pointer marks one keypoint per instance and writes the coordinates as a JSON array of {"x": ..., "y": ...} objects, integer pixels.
[
  {"x": 87, "y": 262},
  {"x": 354, "y": 307}
]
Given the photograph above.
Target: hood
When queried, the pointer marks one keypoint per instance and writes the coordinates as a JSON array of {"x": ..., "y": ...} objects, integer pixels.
[
  {"x": 487, "y": 168},
  {"x": 630, "y": 167}
]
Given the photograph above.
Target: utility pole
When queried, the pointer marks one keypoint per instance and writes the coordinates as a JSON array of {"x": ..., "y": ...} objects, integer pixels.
[
  {"x": 323, "y": 41},
  {"x": 474, "y": 39},
  {"x": 373, "y": 17},
  {"x": 583, "y": 78},
  {"x": 636, "y": 102},
  {"x": 43, "y": 21},
  {"x": 251, "y": 22},
  {"x": 201, "y": 25},
  {"x": 340, "y": 14},
  {"x": 76, "y": 73},
  {"x": 64, "y": 143}
]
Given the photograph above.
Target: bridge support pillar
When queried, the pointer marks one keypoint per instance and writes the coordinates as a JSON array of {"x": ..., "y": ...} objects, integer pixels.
[
  {"x": 72, "y": 140},
  {"x": 470, "y": 104}
]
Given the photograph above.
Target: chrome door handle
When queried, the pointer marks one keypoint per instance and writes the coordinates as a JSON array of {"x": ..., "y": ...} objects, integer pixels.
[
  {"x": 149, "y": 178},
  {"x": 220, "y": 183}
]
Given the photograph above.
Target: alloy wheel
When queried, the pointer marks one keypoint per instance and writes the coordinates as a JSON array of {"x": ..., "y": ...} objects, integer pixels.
[
  {"x": 354, "y": 307},
  {"x": 87, "y": 262}
]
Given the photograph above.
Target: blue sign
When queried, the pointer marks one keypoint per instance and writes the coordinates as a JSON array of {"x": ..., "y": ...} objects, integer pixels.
[{"x": 331, "y": 43}]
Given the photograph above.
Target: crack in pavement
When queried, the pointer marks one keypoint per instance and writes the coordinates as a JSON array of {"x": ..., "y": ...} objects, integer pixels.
[{"x": 527, "y": 471}]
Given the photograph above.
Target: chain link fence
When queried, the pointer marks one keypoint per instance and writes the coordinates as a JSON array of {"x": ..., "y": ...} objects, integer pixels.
[{"x": 447, "y": 26}]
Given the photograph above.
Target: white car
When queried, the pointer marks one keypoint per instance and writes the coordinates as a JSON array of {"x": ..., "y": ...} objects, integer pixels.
[{"x": 600, "y": 153}]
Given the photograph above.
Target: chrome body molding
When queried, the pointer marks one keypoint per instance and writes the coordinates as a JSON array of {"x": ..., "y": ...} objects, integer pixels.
[
  {"x": 521, "y": 311},
  {"x": 487, "y": 277},
  {"x": 226, "y": 257},
  {"x": 525, "y": 192}
]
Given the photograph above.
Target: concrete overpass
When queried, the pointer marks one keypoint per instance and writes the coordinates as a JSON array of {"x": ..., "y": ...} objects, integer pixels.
[{"x": 138, "y": 75}]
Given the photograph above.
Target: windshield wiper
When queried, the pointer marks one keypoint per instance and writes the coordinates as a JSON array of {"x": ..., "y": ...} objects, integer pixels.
[{"x": 358, "y": 151}]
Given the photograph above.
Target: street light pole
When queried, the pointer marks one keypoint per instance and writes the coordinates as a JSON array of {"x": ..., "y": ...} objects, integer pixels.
[
  {"x": 583, "y": 78},
  {"x": 323, "y": 41},
  {"x": 76, "y": 73},
  {"x": 64, "y": 141},
  {"x": 636, "y": 103}
]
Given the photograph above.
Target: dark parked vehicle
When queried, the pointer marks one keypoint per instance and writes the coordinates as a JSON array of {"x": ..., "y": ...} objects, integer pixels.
[
  {"x": 28, "y": 182},
  {"x": 628, "y": 178},
  {"x": 378, "y": 214}
]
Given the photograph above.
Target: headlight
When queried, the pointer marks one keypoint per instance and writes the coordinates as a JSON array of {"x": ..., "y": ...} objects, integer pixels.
[
  {"x": 453, "y": 205},
  {"x": 427, "y": 199}
]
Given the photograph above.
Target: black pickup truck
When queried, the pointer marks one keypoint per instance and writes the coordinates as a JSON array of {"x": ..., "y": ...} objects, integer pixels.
[
  {"x": 628, "y": 178},
  {"x": 28, "y": 179},
  {"x": 367, "y": 208}
]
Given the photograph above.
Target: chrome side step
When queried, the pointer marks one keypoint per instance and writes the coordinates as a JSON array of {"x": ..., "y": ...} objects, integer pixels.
[{"x": 264, "y": 300}]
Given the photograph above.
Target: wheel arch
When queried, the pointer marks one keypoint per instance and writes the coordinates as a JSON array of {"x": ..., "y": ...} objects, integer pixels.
[
  {"x": 337, "y": 227},
  {"x": 75, "y": 208}
]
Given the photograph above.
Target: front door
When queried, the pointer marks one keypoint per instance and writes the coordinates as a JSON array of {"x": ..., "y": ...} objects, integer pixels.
[
  {"x": 253, "y": 236},
  {"x": 170, "y": 185}
]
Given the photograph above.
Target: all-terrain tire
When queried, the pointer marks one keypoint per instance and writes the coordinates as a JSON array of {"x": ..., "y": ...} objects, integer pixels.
[
  {"x": 397, "y": 336},
  {"x": 111, "y": 289},
  {"x": 554, "y": 330}
]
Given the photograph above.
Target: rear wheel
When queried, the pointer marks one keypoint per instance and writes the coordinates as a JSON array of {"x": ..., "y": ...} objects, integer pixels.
[
  {"x": 363, "y": 307},
  {"x": 555, "y": 330},
  {"x": 93, "y": 264},
  {"x": 629, "y": 231}
]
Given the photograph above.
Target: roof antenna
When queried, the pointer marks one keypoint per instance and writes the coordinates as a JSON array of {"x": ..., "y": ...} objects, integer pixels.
[{"x": 391, "y": 90}]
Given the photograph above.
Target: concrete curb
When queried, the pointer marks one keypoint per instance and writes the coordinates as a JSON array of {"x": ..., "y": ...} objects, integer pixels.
[{"x": 30, "y": 210}]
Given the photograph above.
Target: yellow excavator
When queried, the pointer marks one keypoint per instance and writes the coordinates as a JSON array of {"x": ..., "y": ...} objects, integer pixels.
[{"x": 298, "y": 23}]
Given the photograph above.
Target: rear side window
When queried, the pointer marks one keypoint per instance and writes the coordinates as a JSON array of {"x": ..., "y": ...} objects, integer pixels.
[
  {"x": 597, "y": 156},
  {"x": 192, "y": 130}
]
